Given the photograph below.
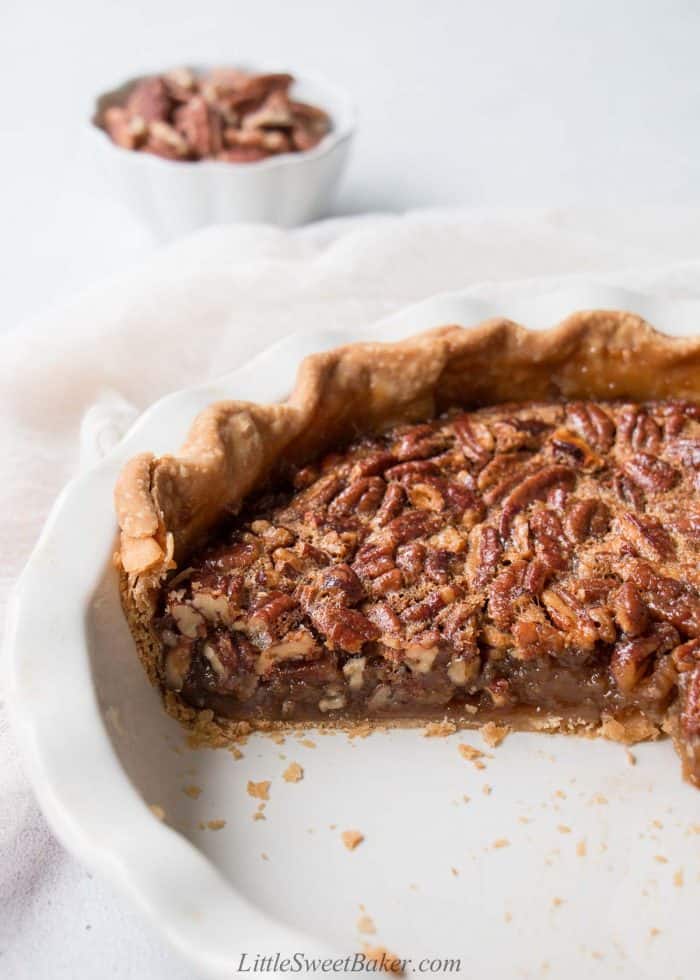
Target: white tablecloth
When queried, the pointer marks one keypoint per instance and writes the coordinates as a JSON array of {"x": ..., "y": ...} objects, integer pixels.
[{"x": 189, "y": 313}]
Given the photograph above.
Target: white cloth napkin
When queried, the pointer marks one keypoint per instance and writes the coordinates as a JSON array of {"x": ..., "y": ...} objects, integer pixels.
[{"x": 72, "y": 382}]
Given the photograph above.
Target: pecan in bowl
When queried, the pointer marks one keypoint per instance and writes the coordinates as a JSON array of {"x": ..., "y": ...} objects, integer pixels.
[{"x": 223, "y": 114}]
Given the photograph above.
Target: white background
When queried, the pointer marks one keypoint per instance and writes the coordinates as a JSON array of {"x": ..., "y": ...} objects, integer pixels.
[{"x": 476, "y": 103}]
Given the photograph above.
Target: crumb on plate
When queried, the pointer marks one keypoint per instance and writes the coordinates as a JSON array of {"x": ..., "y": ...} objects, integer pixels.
[
  {"x": 365, "y": 924},
  {"x": 259, "y": 791},
  {"x": 494, "y": 734},
  {"x": 293, "y": 773},
  {"x": 386, "y": 961},
  {"x": 352, "y": 838},
  {"x": 439, "y": 729}
]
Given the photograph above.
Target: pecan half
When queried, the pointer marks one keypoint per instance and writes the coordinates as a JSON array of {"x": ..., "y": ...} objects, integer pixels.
[
  {"x": 373, "y": 560},
  {"x": 651, "y": 473},
  {"x": 630, "y": 658},
  {"x": 201, "y": 127},
  {"x": 150, "y": 100},
  {"x": 342, "y": 582},
  {"x": 391, "y": 506},
  {"x": 567, "y": 613},
  {"x": 474, "y": 438},
  {"x": 128, "y": 131},
  {"x": 551, "y": 546},
  {"x": 638, "y": 429},
  {"x": 363, "y": 495},
  {"x": 594, "y": 424},
  {"x": 585, "y": 519},
  {"x": 535, "y": 487},
  {"x": 667, "y": 599},
  {"x": 347, "y": 629},
  {"x": 648, "y": 536},
  {"x": 413, "y": 524},
  {"x": 631, "y": 612},
  {"x": 628, "y": 491},
  {"x": 504, "y": 590}
]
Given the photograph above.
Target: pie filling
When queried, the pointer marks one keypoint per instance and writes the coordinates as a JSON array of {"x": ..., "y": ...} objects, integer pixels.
[{"x": 519, "y": 561}]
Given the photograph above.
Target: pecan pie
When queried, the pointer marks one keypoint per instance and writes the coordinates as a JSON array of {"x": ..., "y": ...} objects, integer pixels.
[{"x": 478, "y": 525}]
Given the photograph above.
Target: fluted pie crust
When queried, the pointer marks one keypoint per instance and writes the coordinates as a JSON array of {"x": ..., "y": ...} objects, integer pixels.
[{"x": 170, "y": 507}]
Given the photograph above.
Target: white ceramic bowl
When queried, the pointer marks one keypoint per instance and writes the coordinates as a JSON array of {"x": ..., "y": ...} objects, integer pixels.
[
  {"x": 177, "y": 197},
  {"x": 595, "y": 902}
]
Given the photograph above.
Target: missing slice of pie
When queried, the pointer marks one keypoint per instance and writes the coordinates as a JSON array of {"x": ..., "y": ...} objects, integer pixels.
[{"x": 486, "y": 524}]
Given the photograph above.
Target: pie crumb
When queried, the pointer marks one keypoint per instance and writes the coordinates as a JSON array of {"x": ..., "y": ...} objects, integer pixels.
[
  {"x": 631, "y": 758},
  {"x": 556, "y": 902},
  {"x": 157, "y": 811},
  {"x": 264, "y": 856},
  {"x": 661, "y": 859},
  {"x": 216, "y": 824},
  {"x": 386, "y": 961},
  {"x": 486, "y": 790},
  {"x": 363, "y": 729},
  {"x": 293, "y": 773},
  {"x": 352, "y": 839},
  {"x": 439, "y": 729},
  {"x": 678, "y": 878},
  {"x": 259, "y": 791},
  {"x": 307, "y": 743},
  {"x": 365, "y": 924},
  {"x": 581, "y": 848},
  {"x": 632, "y": 730},
  {"x": 455, "y": 872},
  {"x": 494, "y": 734},
  {"x": 654, "y": 932},
  {"x": 563, "y": 829},
  {"x": 471, "y": 754},
  {"x": 194, "y": 792},
  {"x": 236, "y": 752},
  {"x": 501, "y": 842}
]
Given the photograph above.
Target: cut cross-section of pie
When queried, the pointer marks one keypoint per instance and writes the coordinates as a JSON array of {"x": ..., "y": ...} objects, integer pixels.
[{"x": 473, "y": 525}]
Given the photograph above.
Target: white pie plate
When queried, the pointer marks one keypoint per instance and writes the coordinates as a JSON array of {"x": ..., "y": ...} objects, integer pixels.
[{"x": 99, "y": 750}]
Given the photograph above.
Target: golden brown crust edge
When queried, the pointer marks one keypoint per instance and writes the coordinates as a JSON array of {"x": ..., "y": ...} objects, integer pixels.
[{"x": 165, "y": 505}]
